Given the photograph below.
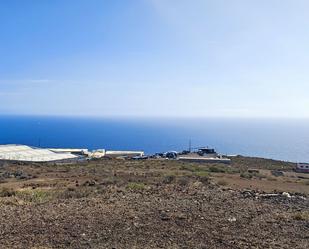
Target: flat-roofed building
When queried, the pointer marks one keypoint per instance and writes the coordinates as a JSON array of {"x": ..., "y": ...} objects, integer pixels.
[{"x": 302, "y": 167}]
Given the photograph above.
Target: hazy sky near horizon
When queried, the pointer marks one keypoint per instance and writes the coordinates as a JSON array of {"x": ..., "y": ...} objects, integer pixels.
[{"x": 226, "y": 58}]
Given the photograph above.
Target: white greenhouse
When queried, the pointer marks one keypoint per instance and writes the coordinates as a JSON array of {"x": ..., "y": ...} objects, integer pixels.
[{"x": 25, "y": 153}]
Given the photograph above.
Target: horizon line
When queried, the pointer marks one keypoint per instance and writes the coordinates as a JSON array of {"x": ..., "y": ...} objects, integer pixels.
[{"x": 148, "y": 116}]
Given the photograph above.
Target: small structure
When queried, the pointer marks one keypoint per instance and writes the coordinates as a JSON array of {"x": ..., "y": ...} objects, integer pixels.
[
  {"x": 302, "y": 168},
  {"x": 204, "y": 155},
  {"x": 124, "y": 153},
  {"x": 96, "y": 154},
  {"x": 206, "y": 152}
]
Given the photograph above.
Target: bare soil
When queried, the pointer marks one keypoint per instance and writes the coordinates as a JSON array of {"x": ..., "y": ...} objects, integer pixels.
[{"x": 153, "y": 204}]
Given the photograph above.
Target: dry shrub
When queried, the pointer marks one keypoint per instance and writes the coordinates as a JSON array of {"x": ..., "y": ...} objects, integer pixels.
[
  {"x": 109, "y": 181},
  {"x": 304, "y": 216},
  {"x": 75, "y": 193},
  {"x": 183, "y": 181},
  {"x": 168, "y": 179},
  {"x": 7, "y": 192}
]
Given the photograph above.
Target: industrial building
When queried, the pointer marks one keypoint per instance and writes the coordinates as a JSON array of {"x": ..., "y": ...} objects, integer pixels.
[{"x": 26, "y": 153}]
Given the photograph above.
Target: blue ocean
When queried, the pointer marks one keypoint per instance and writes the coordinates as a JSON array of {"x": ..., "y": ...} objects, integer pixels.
[{"x": 270, "y": 138}]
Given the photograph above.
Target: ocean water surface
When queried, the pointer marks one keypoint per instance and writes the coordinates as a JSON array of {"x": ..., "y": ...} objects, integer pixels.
[{"x": 271, "y": 138}]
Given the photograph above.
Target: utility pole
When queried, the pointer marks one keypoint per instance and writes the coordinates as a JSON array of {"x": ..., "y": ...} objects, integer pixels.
[{"x": 190, "y": 145}]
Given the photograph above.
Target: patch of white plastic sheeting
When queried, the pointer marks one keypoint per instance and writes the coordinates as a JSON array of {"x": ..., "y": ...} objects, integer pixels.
[{"x": 30, "y": 154}]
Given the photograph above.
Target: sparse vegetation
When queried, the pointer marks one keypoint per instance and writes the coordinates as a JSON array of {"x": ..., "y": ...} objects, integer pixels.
[
  {"x": 259, "y": 175},
  {"x": 183, "y": 181},
  {"x": 246, "y": 175},
  {"x": 75, "y": 193},
  {"x": 136, "y": 186},
  {"x": 216, "y": 169},
  {"x": 84, "y": 203},
  {"x": 252, "y": 174},
  {"x": 222, "y": 182},
  {"x": 6, "y": 192},
  {"x": 35, "y": 196},
  {"x": 109, "y": 181},
  {"x": 202, "y": 174},
  {"x": 168, "y": 179},
  {"x": 209, "y": 168},
  {"x": 277, "y": 173},
  {"x": 270, "y": 178},
  {"x": 244, "y": 163},
  {"x": 304, "y": 216},
  {"x": 204, "y": 179}
]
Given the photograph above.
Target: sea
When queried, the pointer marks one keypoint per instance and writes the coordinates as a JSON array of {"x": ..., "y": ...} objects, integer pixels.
[{"x": 283, "y": 139}]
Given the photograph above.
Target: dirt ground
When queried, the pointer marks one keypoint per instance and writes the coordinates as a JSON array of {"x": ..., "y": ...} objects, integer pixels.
[{"x": 154, "y": 204}]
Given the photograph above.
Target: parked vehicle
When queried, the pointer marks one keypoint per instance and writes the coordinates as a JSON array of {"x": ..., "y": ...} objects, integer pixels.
[
  {"x": 140, "y": 157},
  {"x": 171, "y": 154},
  {"x": 207, "y": 152}
]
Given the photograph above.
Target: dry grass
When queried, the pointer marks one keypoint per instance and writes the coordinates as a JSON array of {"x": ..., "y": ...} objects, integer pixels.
[
  {"x": 168, "y": 179},
  {"x": 303, "y": 216},
  {"x": 35, "y": 196},
  {"x": 136, "y": 186},
  {"x": 7, "y": 192},
  {"x": 222, "y": 182}
]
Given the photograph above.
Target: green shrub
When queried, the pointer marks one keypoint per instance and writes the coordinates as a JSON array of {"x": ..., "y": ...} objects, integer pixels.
[
  {"x": 202, "y": 174},
  {"x": 136, "y": 186},
  {"x": 246, "y": 175},
  {"x": 191, "y": 167},
  {"x": 34, "y": 195},
  {"x": 259, "y": 175},
  {"x": 217, "y": 169}
]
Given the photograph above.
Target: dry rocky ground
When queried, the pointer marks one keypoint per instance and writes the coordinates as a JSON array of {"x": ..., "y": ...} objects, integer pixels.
[{"x": 154, "y": 204}]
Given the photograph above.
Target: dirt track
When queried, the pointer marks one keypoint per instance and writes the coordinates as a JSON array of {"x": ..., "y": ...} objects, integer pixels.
[{"x": 118, "y": 204}]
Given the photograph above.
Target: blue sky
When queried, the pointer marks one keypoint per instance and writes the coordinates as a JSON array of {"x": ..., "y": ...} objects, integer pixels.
[{"x": 188, "y": 58}]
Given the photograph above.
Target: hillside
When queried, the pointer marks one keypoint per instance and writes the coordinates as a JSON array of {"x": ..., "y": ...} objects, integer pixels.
[{"x": 153, "y": 204}]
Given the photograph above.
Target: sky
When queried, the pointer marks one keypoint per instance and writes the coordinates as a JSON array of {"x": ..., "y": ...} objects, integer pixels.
[{"x": 155, "y": 58}]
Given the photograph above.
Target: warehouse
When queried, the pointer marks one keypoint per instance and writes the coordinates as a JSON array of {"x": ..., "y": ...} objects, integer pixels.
[{"x": 25, "y": 153}]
